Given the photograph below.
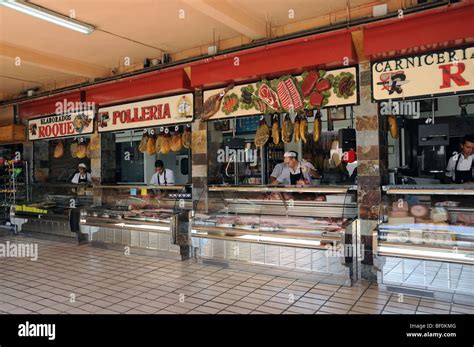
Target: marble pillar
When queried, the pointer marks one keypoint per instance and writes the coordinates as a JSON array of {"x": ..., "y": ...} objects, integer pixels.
[{"x": 372, "y": 158}]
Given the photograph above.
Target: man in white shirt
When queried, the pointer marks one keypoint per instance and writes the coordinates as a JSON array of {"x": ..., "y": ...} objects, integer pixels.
[
  {"x": 277, "y": 170},
  {"x": 82, "y": 177},
  {"x": 162, "y": 176},
  {"x": 296, "y": 172},
  {"x": 459, "y": 167}
]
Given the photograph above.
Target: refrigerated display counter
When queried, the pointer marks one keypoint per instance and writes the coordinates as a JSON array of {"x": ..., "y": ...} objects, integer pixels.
[
  {"x": 303, "y": 228},
  {"x": 425, "y": 237},
  {"x": 144, "y": 217}
]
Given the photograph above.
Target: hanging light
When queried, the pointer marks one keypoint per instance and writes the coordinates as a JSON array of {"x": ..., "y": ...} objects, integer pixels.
[{"x": 48, "y": 15}]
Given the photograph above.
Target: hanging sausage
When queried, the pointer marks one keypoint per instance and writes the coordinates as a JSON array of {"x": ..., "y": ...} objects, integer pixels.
[
  {"x": 317, "y": 126},
  {"x": 275, "y": 130},
  {"x": 287, "y": 130}
]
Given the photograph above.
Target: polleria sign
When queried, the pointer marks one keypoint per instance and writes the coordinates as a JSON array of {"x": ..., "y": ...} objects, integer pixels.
[{"x": 445, "y": 72}]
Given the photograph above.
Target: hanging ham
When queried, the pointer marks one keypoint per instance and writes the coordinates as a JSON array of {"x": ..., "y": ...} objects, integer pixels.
[
  {"x": 263, "y": 133},
  {"x": 58, "y": 150}
]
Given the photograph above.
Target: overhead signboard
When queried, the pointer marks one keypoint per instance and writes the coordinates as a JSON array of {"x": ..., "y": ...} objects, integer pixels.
[
  {"x": 61, "y": 125},
  {"x": 146, "y": 114},
  {"x": 310, "y": 90},
  {"x": 444, "y": 72}
]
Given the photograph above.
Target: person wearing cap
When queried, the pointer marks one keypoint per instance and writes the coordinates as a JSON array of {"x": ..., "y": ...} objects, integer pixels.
[
  {"x": 296, "y": 172},
  {"x": 82, "y": 177}
]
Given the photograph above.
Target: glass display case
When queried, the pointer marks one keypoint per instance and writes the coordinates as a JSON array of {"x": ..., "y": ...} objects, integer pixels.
[
  {"x": 303, "y": 228},
  {"x": 147, "y": 217},
  {"x": 48, "y": 210},
  {"x": 425, "y": 237}
]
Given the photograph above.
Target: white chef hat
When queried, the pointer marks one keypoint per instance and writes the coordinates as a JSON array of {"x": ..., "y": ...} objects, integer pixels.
[
  {"x": 291, "y": 154},
  {"x": 82, "y": 165}
]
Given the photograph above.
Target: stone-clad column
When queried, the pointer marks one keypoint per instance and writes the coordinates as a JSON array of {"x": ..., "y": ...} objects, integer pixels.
[
  {"x": 371, "y": 169},
  {"x": 199, "y": 155}
]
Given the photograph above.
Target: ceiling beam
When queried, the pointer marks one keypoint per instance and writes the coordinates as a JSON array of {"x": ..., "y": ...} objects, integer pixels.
[
  {"x": 231, "y": 16},
  {"x": 52, "y": 62}
]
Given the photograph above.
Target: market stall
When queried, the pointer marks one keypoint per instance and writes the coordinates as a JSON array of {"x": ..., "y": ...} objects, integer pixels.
[
  {"x": 425, "y": 236},
  {"x": 62, "y": 147},
  {"x": 253, "y": 216},
  {"x": 144, "y": 196}
]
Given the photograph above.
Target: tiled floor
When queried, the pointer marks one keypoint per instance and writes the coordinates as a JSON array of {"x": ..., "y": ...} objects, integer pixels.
[
  {"x": 429, "y": 274},
  {"x": 68, "y": 278}
]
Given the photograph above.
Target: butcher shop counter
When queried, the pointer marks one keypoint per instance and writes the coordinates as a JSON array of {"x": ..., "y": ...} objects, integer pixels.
[
  {"x": 425, "y": 237},
  {"x": 153, "y": 218},
  {"x": 48, "y": 211},
  {"x": 310, "y": 228}
]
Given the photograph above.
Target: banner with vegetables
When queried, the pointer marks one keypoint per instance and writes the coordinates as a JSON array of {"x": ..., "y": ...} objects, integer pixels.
[{"x": 313, "y": 89}]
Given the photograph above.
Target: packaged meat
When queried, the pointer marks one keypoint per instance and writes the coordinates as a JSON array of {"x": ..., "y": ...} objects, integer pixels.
[
  {"x": 439, "y": 214},
  {"x": 419, "y": 211},
  {"x": 466, "y": 219}
]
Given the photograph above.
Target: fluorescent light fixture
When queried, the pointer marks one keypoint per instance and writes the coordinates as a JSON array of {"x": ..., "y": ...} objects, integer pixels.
[{"x": 48, "y": 15}]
